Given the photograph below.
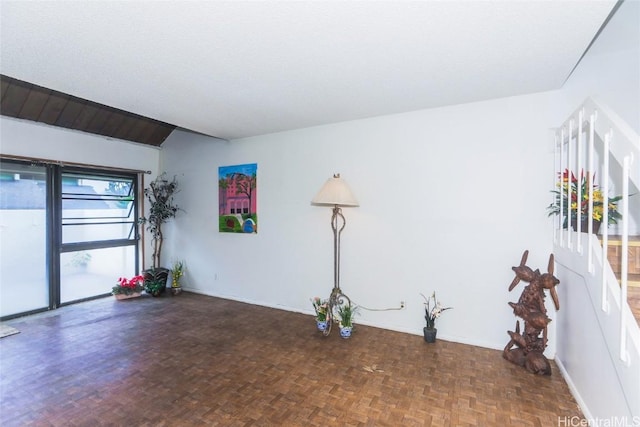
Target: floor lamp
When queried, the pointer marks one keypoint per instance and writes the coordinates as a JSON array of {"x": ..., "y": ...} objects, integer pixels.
[{"x": 336, "y": 194}]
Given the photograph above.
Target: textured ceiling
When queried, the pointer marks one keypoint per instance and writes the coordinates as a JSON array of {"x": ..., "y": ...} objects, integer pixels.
[{"x": 239, "y": 68}]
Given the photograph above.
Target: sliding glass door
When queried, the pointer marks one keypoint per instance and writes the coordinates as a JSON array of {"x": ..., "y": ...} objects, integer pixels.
[
  {"x": 24, "y": 285},
  {"x": 66, "y": 234},
  {"x": 98, "y": 226}
]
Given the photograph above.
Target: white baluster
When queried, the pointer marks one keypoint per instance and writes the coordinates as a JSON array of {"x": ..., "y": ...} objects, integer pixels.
[
  {"x": 579, "y": 171},
  {"x": 605, "y": 218},
  {"x": 590, "y": 266},
  {"x": 624, "y": 261},
  {"x": 569, "y": 172}
]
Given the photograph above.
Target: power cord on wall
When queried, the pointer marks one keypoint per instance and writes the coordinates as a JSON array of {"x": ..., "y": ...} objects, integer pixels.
[{"x": 381, "y": 309}]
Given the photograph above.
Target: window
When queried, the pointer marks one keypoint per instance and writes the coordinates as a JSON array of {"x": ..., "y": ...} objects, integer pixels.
[{"x": 67, "y": 234}]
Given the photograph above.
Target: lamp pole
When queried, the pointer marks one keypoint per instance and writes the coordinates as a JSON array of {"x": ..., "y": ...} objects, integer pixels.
[
  {"x": 337, "y": 298},
  {"x": 335, "y": 193},
  {"x": 335, "y": 218}
]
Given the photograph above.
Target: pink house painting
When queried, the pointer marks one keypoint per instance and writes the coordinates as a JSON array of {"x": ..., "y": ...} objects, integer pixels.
[{"x": 237, "y": 194}]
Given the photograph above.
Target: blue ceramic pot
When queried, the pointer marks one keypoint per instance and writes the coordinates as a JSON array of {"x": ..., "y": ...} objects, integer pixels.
[
  {"x": 345, "y": 331},
  {"x": 322, "y": 325}
]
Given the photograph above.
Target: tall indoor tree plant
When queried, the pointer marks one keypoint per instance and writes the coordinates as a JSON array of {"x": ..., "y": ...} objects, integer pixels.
[{"x": 162, "y": 208}]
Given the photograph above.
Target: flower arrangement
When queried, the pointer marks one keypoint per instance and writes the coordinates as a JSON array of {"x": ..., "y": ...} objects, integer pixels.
[
  {"x": 346, "y": 312},
  {"x": 128, "y": 286},
  {"x": 432, "y": 312},
  {"x": 176, "y": 273},
  {"x": 321, "y": 307},
  {"x": 569, "y": 185}
]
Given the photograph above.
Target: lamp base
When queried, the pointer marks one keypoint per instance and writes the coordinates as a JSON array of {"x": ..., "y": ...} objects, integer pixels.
[{"x": 336, "y": 299}]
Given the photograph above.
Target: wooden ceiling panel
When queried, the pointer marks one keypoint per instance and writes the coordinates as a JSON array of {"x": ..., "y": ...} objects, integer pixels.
[
  {"x": 112, "y": 124},
  {"x": 70, "y": 113},
  {"x": 123, "y": 131},
  {"x": 97, "y": 123},
  {"x": 26, "y": 101},
  {"x": 52, "y": 109},
  {"x": 4, "y": 86},
  {"x": 84, "y": 118},
  {"x": 161, "y": 133},
  {"x": 14, "y": 99},
  {"x": 34, "y": 104},
  {"x": 138, "y": 130}
]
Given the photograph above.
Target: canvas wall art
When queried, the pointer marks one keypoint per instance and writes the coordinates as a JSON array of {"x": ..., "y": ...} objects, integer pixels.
[{"x": 237, "y": 194}]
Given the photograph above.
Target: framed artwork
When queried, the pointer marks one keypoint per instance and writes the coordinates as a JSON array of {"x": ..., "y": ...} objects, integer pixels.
[{"x": 237, "y": 194}]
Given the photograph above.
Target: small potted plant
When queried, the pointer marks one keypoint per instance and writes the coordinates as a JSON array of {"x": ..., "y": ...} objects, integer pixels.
[
  {"x": 155, "y": 286},
  {"x": 128, "y": 288},
  {"x": 161, "y": 209},
  {"x": 320, "y": 307},
  {"x": 346, "y": 312},
  {"x": 176, "y": 273},
  {"x": 432, "y": 312}
]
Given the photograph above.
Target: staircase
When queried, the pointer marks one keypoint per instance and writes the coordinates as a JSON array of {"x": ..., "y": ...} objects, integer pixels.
[
  {"x": 614, "y": 256},
  {"x": 598, "y": 344}
]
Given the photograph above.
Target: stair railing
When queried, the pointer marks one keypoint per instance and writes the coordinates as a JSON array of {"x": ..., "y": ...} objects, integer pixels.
[{"x": 589, "y": 125}]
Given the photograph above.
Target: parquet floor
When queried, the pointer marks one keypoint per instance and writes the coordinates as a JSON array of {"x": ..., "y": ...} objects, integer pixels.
[{"x": 194, "y": 360}]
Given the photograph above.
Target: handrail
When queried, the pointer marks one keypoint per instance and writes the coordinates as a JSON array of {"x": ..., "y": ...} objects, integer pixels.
[{"x": 589, "y": 124}]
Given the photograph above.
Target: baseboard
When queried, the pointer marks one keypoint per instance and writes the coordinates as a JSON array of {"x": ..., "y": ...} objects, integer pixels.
[
  {"x": 574, "y": 391},
  {"x": 444, "y": 337}
]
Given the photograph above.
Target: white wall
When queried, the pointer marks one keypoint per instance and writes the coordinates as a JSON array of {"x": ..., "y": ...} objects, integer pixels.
[
  {"x": 450, "y": 198},
  {"x": 31, "y": 139},
  {"x": 609, "y": 72}
]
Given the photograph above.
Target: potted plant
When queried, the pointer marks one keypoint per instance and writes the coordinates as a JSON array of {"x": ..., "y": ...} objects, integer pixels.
[
  {"x": 80, "y": 261},
  {"x": 128, "y": 288},
  {"x": 155, "y": 286},
  {"x": 568, "y": 186},
  {"x": 346, "y": 312},
  {"x": 320, "y": 307},
  {"x": 432, "y": 312},
  {"x": 161, "y": 209},
  {"x": 176, "y": 273}
]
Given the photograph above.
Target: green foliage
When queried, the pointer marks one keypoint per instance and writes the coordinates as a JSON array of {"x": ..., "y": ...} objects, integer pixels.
[
  {"x": 80, "y": 259},
  {"x": 229, "y": 223},
  {"x": 567, "y": 195},
  {"x": 161, "y": 208},
  {"x": 346, "y": 312},
  {"x": 321, "y": 307},
  {"x": 154, "y": 286},
  {"x": 432, "y": 312},
  {"x": 128, "y": 286},
  {"x": 176, "y": 273}
]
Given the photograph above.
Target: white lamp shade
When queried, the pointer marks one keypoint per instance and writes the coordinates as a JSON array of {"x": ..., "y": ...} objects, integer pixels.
[{"x": 335, "y": 192}]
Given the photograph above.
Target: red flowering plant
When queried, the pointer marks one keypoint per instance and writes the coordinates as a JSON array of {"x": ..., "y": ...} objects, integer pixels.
[
  {"x": 128, "y": 286},
  {"x": 569, "y": 186}
]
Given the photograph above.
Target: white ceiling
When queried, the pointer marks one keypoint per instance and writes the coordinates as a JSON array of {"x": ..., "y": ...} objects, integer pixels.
[{"x": 238, "y": 68}]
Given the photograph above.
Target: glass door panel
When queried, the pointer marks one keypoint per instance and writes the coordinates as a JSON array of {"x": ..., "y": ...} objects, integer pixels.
[
  {"x": 23, "y": 229},
  {"x": 87, "y": 273},
  {"x": 98, "y": 232},
  {"x": 97, "y": 208}
]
